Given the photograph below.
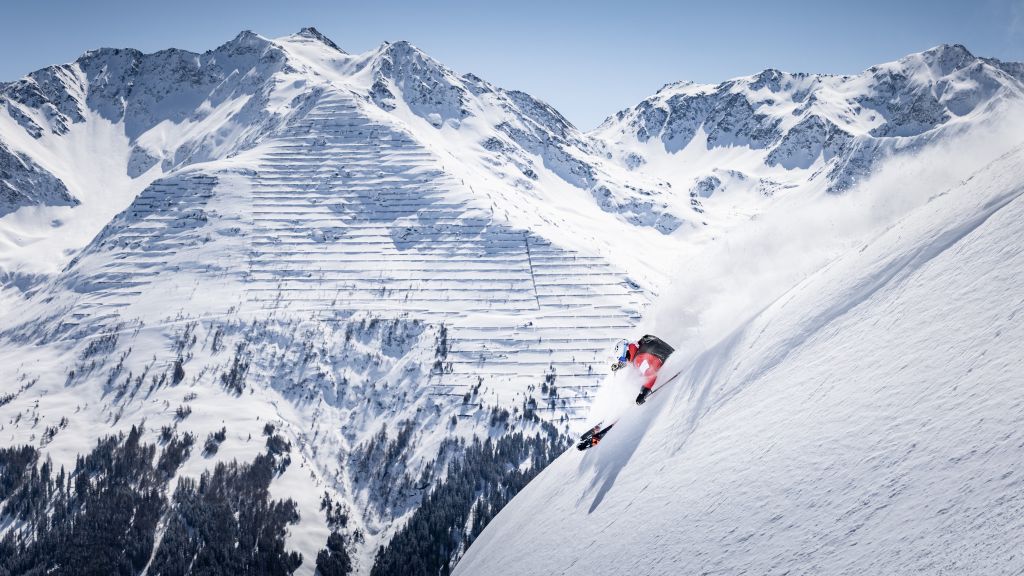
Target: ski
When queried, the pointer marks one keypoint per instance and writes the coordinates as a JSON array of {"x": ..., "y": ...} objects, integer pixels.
[{"x": 590, "y": 433}]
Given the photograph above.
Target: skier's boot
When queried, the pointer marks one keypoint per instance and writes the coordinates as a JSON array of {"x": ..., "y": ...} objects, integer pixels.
[{"x": 592, "y": 438}]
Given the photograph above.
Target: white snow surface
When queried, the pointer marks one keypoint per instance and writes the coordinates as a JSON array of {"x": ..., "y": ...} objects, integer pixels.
[{"x": 868, "y": 419}]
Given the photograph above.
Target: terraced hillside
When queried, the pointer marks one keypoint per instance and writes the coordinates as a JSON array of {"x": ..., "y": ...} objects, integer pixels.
[{"x": 342, "y": 214}]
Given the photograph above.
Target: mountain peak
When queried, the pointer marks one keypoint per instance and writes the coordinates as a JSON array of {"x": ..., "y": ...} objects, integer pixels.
[
  {"x": 674, "y": 85},
  {"x": 247, "y": 37},
  {"x": 768, "y": 78},
  {"x": 314, "y": 34},
  {"x": 947, "y": 51},
  {"x": 402, "y": 47},
  {"x": 948, "y": 58},
  {"x": 246, "y": 41},
  {"x": 402, "y": 54}
]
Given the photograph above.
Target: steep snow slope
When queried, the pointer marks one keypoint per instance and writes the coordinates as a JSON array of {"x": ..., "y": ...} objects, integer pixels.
[{"x": 868, "y": 421}]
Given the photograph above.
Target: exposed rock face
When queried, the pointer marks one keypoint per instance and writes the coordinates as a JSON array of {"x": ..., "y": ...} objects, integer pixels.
[{"x": 25, "y": 183}]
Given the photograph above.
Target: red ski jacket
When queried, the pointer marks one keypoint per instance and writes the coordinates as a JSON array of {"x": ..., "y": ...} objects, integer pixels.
[{"x": 648, "y": 355}]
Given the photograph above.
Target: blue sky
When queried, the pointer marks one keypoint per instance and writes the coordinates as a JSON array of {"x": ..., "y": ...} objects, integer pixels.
[{"x": 587, "y": 58}]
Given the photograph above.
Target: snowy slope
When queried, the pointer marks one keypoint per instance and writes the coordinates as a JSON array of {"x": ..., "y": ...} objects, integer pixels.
[{"x": 867, "y": 421}]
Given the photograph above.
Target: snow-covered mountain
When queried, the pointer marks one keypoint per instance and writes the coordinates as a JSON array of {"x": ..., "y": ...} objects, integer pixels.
[
  {"x": 387, "y": 286},
  {"x": 766, "y": 134},
  {"x": 174, "y": 108},
  {"x": 378, "y": 259}
]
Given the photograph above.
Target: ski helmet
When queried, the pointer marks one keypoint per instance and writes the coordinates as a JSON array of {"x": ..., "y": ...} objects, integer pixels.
[{"x": 621, "y": 351}]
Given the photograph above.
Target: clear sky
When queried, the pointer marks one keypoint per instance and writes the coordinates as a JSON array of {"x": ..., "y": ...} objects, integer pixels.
[{"x": 587, "y": 58}]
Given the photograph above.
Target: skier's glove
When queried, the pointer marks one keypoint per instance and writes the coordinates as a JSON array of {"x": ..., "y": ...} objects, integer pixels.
[
  {"x": 617, "y": 366},
  {"x": 642, "y": 396}
]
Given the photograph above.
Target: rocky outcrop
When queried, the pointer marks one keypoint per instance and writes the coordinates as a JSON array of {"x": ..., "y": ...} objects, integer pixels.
[{"x": 25, "y": 183}]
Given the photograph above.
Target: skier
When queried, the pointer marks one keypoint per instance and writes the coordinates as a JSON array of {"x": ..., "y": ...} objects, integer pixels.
[{"x": 647, "y": 354}]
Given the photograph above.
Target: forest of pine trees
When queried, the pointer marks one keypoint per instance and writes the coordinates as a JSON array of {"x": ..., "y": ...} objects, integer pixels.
[
  {"x": 102, "y": 516},
  {"x": 476, "y": 488}
]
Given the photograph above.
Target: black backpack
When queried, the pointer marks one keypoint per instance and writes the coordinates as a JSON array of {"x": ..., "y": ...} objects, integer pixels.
[{"x": 655, "y": 346}]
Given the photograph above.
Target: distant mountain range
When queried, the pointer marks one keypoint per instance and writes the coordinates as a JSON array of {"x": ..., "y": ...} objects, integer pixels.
[{"x": 179, "y": 108}]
